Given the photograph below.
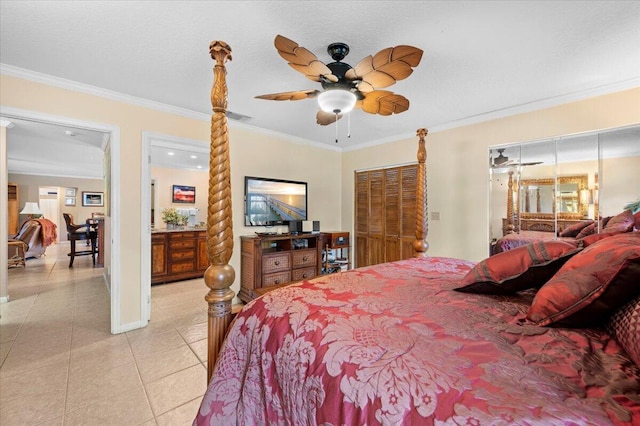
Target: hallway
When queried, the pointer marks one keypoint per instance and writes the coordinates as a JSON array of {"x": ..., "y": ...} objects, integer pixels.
[{"x": 60, "y": 365}]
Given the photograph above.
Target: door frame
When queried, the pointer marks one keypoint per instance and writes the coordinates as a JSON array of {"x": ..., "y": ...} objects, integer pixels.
[
  {"x": 149, "y": 140},
  {"x": 112, "y": 277}
]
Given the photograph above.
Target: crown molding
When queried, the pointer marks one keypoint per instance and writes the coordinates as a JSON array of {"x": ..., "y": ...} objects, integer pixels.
[{"x": 37, "y": 77}]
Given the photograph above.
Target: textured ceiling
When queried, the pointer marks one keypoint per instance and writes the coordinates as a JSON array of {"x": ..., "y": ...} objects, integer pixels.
[{"x": 480, "y": 58}]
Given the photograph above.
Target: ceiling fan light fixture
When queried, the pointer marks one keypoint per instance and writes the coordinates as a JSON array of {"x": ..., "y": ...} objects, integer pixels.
[{"x": 337, "y": 101}]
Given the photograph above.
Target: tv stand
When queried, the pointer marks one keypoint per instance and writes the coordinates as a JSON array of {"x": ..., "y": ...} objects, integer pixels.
[{"x": 269, "y": 260}]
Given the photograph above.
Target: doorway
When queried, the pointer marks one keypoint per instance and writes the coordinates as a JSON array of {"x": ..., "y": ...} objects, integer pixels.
[{"x": 49, "y": 202}]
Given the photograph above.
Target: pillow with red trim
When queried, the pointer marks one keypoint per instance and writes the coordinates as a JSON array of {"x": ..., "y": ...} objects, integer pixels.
[
  {"x": 624, "y": 326},
  {"x": 518, "y": 269},
  {"x": 621, "y": 222},
  {"x": 587, "y": 230},
  {"x": 591, "y": 285},
  {"x": 575, "y": 229}
]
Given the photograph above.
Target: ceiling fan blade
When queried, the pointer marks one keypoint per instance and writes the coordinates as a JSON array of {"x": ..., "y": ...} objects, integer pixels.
[
  {"x": 387, "y": 66},
  {"x": 324, "y": 118},
  {"x": 301, "y": 59},
  {"x": 290, "y": 96},
  {"x": 384, "y": 102}
]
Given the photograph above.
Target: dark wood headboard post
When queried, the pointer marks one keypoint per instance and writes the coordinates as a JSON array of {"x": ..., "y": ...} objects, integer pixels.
[
  {"x": 219, "y": 276},
  {"x": 510, "y": 211},
  {"x": 420, "y": 245}
]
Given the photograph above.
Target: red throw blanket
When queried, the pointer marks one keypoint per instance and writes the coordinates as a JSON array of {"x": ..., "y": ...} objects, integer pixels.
[{"x": 49, "y": 232}]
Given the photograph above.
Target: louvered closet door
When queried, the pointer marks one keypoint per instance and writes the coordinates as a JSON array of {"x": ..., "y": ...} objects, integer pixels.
[
  {"x": 362, "y": 219},
  {"x": 385, "y": 214}
]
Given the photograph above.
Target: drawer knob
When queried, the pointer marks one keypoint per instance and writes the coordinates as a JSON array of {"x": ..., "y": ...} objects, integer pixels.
[
  {"x": 277, "y": 262},
  {"x": 304, "y": 275},
  {"x": 305, "y": 258},
  {"x": 277, "y": 282}
]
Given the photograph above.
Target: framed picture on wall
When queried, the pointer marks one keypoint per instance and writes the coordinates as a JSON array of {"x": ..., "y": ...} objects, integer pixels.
[
  {"x": 183, "y": 194},
  {"x": 92, "y": 199},
  {"x": 70, "y": 192},
  {"x": 69, "y": 201}
]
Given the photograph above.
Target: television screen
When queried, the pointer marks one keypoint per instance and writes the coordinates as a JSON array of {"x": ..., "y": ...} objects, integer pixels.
[{"x": 271, "y": 202}]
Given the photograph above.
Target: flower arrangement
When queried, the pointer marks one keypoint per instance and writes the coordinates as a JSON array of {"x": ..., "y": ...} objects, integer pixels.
[{"x": 171, "y": 216}]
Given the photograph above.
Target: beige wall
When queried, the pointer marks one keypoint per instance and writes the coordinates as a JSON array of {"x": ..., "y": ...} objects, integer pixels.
[
  {"x": 252, "y": 153},
  {"x": 28, "y": 186},
  {"x": 457, "y": 165},
  {"x": 165, "y": 178}
]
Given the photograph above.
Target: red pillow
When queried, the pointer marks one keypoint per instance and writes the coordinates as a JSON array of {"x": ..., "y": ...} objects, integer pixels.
[
  {"x": 624, "y": 326},
  {"x": 587, "y": 230},
  {"x": 518, "y": 269},
  {"x": 592, "y": 284},
  {"x": 575, "y": 229},
  {"x": 622, "y": 222},
  {"x": 590, "y": 239},
  {"x": 637, "y": 220}
]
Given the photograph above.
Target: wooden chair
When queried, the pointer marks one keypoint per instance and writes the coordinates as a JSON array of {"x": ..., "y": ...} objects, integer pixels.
[{"x": 84, "y": 232}]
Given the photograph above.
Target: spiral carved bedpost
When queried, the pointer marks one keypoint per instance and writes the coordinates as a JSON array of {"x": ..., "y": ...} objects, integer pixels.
[
  {"x": 510, "y": 219},
  {"x": 219, "y": 276},
  {"x": 420, "y": 245}
]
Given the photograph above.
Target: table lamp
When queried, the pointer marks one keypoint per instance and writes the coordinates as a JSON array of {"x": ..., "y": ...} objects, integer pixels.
[{"x": 31, "y": 209}]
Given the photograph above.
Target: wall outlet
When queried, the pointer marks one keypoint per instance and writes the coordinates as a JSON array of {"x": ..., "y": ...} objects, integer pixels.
[{"x": 435, "y": 215}]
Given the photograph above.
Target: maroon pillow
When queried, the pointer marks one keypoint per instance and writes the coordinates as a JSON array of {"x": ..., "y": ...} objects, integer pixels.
[
  {"x": 637, "y": 220},
  {"x": 590, "y": 239},
  {"x": 518, "y": 269},
  {"x": 604, "y": 221},
  {"x": 624, "y": 326},
  {"x": 592, "y": 284},
  {"x": 622, "y": 222},
  {"x": 575, "y": 229},
  {"x": 587, "y": 230}
]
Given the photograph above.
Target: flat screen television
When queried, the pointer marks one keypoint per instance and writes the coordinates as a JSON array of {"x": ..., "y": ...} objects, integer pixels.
[{"x": 270, "y": 202}]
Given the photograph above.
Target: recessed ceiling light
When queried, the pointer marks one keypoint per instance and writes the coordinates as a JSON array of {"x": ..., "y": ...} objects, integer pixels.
[
  {"x": 70, "y": 133},
  {"x": 169, "y": 153},
  {"x": 194, "y": 156},
  {"x": 199, "y": 167}
]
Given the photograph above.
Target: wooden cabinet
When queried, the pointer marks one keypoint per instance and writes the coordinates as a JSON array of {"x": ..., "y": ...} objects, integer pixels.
[
  {"x": 13, "y": 206},
  {"x": 275, "y": 260},
  {"x": 178, "y": 255},
  {"x": 335, "y": 255},
  {"x": 385, "y": 214}
]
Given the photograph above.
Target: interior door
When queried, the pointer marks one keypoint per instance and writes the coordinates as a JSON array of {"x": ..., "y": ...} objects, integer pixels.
[{"x": 49, "y": 205}]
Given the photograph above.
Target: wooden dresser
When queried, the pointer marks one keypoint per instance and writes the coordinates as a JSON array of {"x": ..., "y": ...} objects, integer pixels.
[
  {"x": 178, "y": 255},
  {"x": 13, "y": 207},
  {"x": 270, "y": 260}
]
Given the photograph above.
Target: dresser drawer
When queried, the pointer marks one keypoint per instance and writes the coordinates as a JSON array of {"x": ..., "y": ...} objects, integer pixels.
[
  {"x": 275, "y": 263},
  {"x": 182, "y": 266},
  {"x": 276, "y": 278},
  {"x": 303, "y": 274},
  {"x": 182, "y": 244},
  {"x": 182, "y": 255},
  {"x": 304, "y": 258},
  {"x": 181, "y": 235}
]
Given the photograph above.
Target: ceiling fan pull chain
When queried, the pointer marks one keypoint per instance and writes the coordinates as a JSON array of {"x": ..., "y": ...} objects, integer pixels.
[
  {"x": 336, "y": 127},
  {"x": 348, "y": 126}
]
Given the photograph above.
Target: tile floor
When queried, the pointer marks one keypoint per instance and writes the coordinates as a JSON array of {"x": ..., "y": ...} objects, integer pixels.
[{"x": 60, "y": 365}]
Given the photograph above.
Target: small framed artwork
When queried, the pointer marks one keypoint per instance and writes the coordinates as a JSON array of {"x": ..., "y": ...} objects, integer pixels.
[
  {"x": 184, "y": 194},
  {"x": 92, "y": 199},
  {"x": 70, "y": 192},
  {"x": 69, "y": 201}
]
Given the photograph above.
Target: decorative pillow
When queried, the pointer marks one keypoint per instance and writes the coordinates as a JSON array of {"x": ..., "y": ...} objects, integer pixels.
[
  {"x": 621, "y": 222},
  {"x": 604, "y": 221},
  {"x": 624, "y": 326},
  {"x": 590, "y": 239},
  {"x": 592, "y": 284},
  {"x": 575, "y": 229},
  {"x": 518, "y": 269},
  {"x": 587, "y": 230},
  {"x": 637, "y": 220}
]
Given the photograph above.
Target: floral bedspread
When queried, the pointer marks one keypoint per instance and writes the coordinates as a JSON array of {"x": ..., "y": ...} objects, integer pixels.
[{"x": 393, "y": 344}]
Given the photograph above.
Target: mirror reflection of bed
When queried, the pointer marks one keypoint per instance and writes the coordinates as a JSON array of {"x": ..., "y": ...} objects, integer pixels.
[{"x": 540, "y": 188}]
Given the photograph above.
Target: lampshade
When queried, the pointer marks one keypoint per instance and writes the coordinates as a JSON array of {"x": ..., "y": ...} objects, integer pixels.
[
  {"x": 337, "y": 101},
  {"x": 31, "y": 208}
]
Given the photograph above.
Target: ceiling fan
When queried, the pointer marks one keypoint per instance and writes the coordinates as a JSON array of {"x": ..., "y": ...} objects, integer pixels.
[
  {"x": 503, "y": 161},
  {"x": 346, "y": 87}
]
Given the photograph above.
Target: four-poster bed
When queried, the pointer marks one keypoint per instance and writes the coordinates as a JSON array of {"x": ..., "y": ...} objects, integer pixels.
[{"x": 396, "y": 344}]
